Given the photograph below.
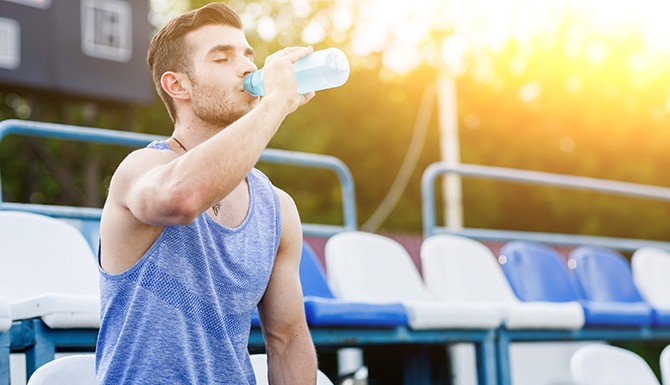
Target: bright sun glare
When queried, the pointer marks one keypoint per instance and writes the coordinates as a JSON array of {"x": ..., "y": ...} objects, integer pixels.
[
  {"x": 398, "y": 28},
  {"x": 407, "y": 33}
]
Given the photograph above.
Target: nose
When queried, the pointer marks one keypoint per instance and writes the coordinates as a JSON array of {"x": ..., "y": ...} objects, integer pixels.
[{"x": 248, "y": 67}]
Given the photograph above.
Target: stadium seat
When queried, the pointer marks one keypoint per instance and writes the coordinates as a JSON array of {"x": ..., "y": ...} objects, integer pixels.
[
  {"x": 260, "y": 364},
  {"x": 606, "y": 283},
  {"x": 458, "y": 268},
  {"x": 5, "y": 340},
  {"x": 5, "y": 315},
  {"x": 369, "y": 267},
  {"x": 78, "y": 369},
  {"x": 49, "y": 276},
  {"x": 602, "y": 364},
  {"x": 322, "y": 308},
  {"x": 664, "y": 365},
  {"x": 651, "y": 268},
  {"x": 537, "y": 272}
]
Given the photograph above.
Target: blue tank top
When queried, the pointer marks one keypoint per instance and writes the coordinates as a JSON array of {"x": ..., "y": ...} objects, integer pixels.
[{"x": 182, "y": 313}]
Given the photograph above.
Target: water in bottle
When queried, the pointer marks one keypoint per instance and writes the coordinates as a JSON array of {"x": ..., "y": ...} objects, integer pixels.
[{"x": 320, "y": 70}]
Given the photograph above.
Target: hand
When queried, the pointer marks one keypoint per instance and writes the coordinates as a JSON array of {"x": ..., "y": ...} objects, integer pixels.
[{"x": 279, "y": 77}]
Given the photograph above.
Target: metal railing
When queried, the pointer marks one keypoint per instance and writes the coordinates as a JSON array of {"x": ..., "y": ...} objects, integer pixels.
[
  {"x": 87, "y": 218},
  {"x": 435, "y": 170}
]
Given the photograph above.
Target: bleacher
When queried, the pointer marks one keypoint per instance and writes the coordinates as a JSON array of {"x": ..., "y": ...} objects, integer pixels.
[{"x": 503, "y": 315}]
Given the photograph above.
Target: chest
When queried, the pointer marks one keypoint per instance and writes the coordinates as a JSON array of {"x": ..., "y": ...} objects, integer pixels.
[{"x": 232, "y": 211}]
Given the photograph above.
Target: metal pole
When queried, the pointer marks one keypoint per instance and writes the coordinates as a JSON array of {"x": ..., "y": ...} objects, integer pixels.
[{"x": 450, "y": 150}]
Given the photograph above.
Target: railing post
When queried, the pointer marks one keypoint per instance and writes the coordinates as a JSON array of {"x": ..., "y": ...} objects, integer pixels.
[{"x": 450, "y": 149}]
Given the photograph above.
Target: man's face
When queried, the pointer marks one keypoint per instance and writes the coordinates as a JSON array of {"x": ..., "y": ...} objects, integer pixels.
[{"x": 221, "y": 56}]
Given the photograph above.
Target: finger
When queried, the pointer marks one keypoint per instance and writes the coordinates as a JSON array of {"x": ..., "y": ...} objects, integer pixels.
[
  {"x": 307, "y": 97},
  {"x": 291, "y": 53}
]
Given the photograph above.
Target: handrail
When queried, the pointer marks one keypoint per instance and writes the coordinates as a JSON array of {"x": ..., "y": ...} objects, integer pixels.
[
  {"x": 540, "y": 178},
  {"x": 133, "y": 139}
]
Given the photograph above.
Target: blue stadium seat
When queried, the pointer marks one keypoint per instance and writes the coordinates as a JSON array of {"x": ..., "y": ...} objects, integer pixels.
[
  {"x": 322, "y": 308},
  {"x": 606, "y": 283},
  {"x": 538, "y": 273},
  {"x": 459, "y": 268}
]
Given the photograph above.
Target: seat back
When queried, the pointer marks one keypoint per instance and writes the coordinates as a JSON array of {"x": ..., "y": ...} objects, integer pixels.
[
  {"x": 651, "y": 269},
  {"x": 459, "y": 268},
  {"x": 537, "y": 272},
  {"x": 76, "y": 369},
  {"x": 41, "y": 254},
  {"x": 260, "y": 364},
  {"x": 601, "y": 364},
  {"x": 373, "y": 268},
  {"x": 664, "y": 365},
  {"x": 5, "y": 315},
  {"x": 312, "y": 277},
  {"x": 604, "y": 275}
]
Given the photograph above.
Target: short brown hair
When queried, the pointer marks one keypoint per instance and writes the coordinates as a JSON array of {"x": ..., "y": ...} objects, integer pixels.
[{"x": 167, "y": 50}]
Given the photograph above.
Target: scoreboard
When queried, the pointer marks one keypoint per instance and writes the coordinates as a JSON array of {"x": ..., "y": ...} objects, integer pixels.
[{"x": 88, "y": 48}]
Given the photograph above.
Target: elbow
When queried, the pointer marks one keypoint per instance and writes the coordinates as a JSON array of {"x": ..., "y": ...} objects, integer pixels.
[
  {"x": 185, "y": 207},
  {"x": 175, "y": 206}
]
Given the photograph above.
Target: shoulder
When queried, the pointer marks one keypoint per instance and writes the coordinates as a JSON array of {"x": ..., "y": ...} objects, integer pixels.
[
  {"x": 291, "y": 235},
  {"x": 287, "y": 204},
  {"x": 140, "y": 161}
]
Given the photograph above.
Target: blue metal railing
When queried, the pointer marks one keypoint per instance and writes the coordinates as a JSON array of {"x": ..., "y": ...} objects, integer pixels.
[
  {"x": 87, "y": 218},
  {"x": 435, "y": 170}
]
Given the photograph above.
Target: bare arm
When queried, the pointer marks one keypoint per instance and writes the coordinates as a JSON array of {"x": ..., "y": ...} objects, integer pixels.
[
  {"x": 152, "y": 189},
  {"x": 291, "y": 355},
  {"x": 178, "y": 191}
]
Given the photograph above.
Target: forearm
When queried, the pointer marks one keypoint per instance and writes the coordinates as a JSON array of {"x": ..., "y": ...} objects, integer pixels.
[
  {"x": 294, "y": 363},
  {"x": 186, "y": 186},
  {"x": 218, "y": 165}
]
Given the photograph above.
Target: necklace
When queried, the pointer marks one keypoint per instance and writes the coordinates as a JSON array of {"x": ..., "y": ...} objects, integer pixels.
[
  {"x": 179, "y": 143},
  {"x": 217, "y": 206}
]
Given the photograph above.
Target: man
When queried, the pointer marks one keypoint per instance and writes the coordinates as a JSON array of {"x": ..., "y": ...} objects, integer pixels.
[{"x": 192, "y": 236}]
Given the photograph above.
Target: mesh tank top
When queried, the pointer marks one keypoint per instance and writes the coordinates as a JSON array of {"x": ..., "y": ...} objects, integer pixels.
[{"x": 182, "y": 313}]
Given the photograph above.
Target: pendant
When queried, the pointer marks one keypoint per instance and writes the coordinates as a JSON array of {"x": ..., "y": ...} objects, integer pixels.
[{"x": 216, "y": 208}]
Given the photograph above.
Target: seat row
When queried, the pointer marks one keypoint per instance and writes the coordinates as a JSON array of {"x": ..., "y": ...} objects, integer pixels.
[
  {"x": 528, "y": 293},
  {"x": 592, "y": 364},
  {"x": 79, "y": 369},
  {"x": 530, "y": 285},
  {"x": 370, "y": 293},
  {"x": 602, "y": 364}
]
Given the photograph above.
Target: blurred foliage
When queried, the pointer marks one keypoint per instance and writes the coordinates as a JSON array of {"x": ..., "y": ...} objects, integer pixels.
[
  {"x": 567, "y": 113},
  {"x": 538, "y": 107}
]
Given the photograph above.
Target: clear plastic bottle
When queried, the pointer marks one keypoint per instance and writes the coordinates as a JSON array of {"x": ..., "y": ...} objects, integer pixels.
[{"x": 320, "y": 70}]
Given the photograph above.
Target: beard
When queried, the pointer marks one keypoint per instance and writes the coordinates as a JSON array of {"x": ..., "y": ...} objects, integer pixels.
[{"x": 217, "y": 107}]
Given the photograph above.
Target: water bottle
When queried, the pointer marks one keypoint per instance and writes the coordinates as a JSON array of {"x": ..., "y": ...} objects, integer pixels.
[{"x": 320, "y": 70}]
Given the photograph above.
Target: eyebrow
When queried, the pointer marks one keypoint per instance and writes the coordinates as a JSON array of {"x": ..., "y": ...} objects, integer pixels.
[{"x": 228, "y": 48}]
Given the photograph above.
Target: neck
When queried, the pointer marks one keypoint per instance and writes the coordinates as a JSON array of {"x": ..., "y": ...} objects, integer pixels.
[{"x": 179, "y": 143}]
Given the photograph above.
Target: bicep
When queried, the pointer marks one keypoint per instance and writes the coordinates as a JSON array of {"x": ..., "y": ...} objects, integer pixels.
[{"x": 282, "y": 305}]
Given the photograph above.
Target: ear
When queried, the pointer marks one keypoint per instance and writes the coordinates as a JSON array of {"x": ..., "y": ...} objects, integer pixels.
[{"x": 176, "y": 85}]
